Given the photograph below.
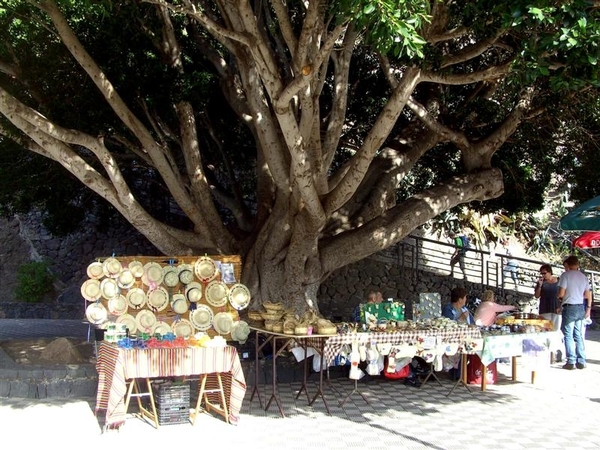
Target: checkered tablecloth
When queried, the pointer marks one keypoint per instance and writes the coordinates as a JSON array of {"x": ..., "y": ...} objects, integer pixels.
[
  {"x": 117, "y": 365},
  {"x": 457, "y": 335}
]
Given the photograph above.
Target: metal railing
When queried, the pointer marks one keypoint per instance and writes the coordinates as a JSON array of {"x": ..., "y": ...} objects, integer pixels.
[{"x": 484, "y": 268}]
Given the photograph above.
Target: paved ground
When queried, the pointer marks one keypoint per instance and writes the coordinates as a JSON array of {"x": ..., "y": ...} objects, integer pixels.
[{"x": 560, "y": 410}]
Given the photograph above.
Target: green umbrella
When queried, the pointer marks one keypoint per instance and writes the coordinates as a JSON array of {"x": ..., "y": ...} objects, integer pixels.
[{"x": 586, "y": 217}]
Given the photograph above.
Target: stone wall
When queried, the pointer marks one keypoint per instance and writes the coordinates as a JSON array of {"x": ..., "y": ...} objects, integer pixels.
[
  {"x": 346, "y": 288},
  {"x": 23, "y": 239}
]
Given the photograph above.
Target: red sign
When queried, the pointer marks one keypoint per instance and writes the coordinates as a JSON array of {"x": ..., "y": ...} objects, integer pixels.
[{"x": 588, "y": 240}]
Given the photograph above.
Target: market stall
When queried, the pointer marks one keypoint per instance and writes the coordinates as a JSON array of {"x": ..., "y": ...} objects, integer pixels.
[{"x": 164, "y": 317}]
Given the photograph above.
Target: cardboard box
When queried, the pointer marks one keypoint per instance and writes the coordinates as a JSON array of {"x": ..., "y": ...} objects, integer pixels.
[{"x": 382, "y": 311}]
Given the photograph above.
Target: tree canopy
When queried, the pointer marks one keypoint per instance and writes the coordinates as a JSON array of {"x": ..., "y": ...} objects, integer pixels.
[{"x": 303, "y": 135}]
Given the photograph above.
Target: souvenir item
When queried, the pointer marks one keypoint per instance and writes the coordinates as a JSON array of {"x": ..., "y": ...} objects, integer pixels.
[
  {"x": 95, "y": 271},
  {"x": 239, "y": 296},
  {"x": 216, "y": 293},
  {"x": 193, "y": 292},
  {"x": 153, "y": 274},
  {"x": 109, "y": 288},
  {"x": 223, "y": 323},
  {"x": 206, "y": 269},
  {"x": 136, "y": 298},
  {"x": 136, "y": 268},
  {"x": 202, "y": 317},
  {"x": 90, "y": 290},
  {"x": 158, "y": 299},
  {"x": 96, "y": 313},
  {"x": 112, "y": 267},
  {"x": 117, "y": 305}
]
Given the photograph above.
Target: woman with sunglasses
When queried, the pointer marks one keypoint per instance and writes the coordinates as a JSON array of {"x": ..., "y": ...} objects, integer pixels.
[{"x": 546, "y": 289}]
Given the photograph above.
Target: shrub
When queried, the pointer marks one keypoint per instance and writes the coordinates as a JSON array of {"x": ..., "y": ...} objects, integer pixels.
[{"x": 34, "y": 281}]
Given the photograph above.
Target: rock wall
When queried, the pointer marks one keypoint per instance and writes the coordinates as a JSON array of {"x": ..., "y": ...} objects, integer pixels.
[{"x": 23, "y": 239}]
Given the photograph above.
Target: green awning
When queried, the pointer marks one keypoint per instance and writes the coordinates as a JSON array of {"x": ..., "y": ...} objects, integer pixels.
[{"x": 585, "y": 217}]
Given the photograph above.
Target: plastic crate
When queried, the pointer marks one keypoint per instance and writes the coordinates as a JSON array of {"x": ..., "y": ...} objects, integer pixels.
[{"x": 172, "y": 394}]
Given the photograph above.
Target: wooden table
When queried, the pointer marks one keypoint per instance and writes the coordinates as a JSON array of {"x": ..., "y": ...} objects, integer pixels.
[{"x": 116, "y": 366}]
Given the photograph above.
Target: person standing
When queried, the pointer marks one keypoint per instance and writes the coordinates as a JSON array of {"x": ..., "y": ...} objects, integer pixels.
[
  {"x": 546, "y": 289},
  {"x": 573, "y": 286},
  {"x": 459, "y": 255}
]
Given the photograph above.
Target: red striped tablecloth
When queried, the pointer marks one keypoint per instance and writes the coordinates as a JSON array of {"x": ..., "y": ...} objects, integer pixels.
[
  {"x": 116, "y": 365},
  {"x": 456, "y": 335}
]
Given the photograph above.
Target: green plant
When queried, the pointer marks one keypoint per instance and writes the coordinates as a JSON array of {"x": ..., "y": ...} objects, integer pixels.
[{"x": 34, "y": 281}]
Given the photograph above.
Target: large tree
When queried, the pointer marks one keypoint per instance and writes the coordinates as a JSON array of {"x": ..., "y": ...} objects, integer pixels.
[{"x": 303, "y": 135}]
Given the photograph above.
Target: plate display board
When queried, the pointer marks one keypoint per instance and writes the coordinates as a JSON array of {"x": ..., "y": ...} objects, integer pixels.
[
  {"x": 428, "y": 307},
  {"x": 151, "y": 291}
]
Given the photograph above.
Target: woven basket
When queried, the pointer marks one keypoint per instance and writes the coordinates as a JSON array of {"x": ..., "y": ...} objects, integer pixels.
[
  {"x": 327, "y": 330},
  {"x": 273, "y": 306},
  {"x": 272, "y": 315},
  {"x": 301, "y": 330},
  {"x": 255, "y": 315},
  {"x": 278, "y": 327}
]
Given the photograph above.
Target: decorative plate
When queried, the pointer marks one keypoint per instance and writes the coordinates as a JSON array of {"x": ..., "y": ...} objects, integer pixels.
[
  {"x": 90, "y": 290},
  {"x": 95, "y": 271},
  {"x": 117, "y": 305},
  {"x": 202, "y": 317},
  {"x": 216, "y": 293},
  {"x": 158, "y": 299},
  {"x": 136, "y": 298},
  {"x": 206, "y": 269},
  {"x": 239, "y": 296},
  {"x": 109, "y": 288}
]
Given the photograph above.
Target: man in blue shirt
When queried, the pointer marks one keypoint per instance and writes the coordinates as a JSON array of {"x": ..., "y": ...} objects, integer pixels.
[{"x": 456, "y": 309}]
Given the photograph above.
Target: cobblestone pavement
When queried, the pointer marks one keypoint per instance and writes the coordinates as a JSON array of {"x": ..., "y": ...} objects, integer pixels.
[{"x": 560, "y": 410}]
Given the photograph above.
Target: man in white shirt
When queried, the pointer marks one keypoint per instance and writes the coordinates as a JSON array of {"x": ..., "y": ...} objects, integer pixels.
[{"x": 574, "y": 296}]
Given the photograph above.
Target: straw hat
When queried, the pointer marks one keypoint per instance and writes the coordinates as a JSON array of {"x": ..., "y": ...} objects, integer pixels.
[
  {"x": 126, "y": 279},
  {"x": 161, "y": 328},
  {"x": 96, "y": 313},
  {"x": 240, "y": 331},
  {"x": 136, "y": 268},
  {"x": 239, "y": 296},
  {"x": 223, "y": 323},
  {"x": 90, "y": 290},
  {"x": 179, "y": 304},
  {"x": 170, "y": 277},
  {"x": 111, "y": 267},
  {"x": 153, "y": 273},
  {"x": 183, "y": 328},
  {"x": 129, "y": 322},
  {"x": 117, "y": 305},
  {"x": 109, "y": 288},
  {"x": 158, "y": 299},
  {"x": 206, "y": 269},
  {"x": 186, "y": 273},
  {"x": 193, "y": 292},
  {"x": 95, "y": 271},
  {"x": 202, "y": 317},
  {"x": 136, "y": 298},
  {"x": 145, "y": 320},
  {"x": 216, "y": 293}
]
